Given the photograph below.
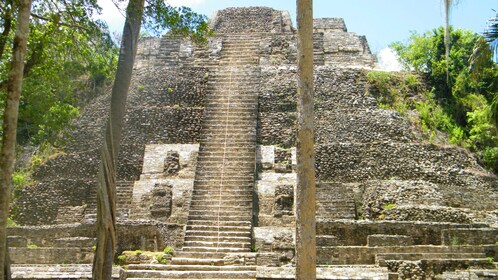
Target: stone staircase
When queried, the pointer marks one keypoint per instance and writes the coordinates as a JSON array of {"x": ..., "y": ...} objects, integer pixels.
[
  {"x": 124, "y": 191},
  {"x": 240, "y": 51},
  {"x": 123, "y": 198},
  {"x": 220, "y": 216},
  {"x": 339, "y": 206},
  {"x": 168, "y": 51}
]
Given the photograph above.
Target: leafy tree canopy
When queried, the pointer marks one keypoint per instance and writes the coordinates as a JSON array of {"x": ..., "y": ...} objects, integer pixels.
[
  {"x": 71, "y": 56},
  {"x": 68, "y": 53},
  {"x": 464, "y": 105}
]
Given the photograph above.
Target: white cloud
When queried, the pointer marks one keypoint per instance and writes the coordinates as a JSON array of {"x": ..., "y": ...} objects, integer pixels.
[
  {"x": 388, "y": 60},
  {"x": 186, "y": 3}
]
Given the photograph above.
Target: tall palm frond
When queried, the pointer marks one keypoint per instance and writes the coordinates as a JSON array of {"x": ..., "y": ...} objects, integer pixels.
[{"x": 480, "y": 57}]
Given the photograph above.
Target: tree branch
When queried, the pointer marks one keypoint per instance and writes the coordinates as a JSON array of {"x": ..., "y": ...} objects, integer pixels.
[{"x": 61, "y": 23}]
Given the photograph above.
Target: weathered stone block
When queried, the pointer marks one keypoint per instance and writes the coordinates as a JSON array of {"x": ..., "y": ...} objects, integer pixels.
[
  {"x": 389, "y": 240},
  {"x": 79, "y": 241},
  {"x": 17, "y": 241},
  {"x": 326, "y": 240},
  {"x": 469, "y": 236}
]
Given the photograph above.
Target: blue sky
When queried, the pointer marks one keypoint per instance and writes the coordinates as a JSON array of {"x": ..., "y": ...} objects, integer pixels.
[{"x": 382, "y": 21}]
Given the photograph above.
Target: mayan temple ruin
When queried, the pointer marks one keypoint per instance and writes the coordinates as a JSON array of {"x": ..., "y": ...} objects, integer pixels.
[{"x": 207, "y": 170}]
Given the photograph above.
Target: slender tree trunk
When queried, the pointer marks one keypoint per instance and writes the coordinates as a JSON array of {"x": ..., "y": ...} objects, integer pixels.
[
  {"x": 305, "y": 193},
  {"x": 106, "y": 189},
  {"x": 8, "y": 150},
  {"x": 7, "y": 25}
]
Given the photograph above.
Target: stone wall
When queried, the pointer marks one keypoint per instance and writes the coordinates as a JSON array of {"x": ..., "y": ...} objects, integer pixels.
[
  {"x": 164, "y": 106},
  {"x": 252, "y": 19},
  {"x": 355, "y": 233},
  {"x": 154, "y": 236}
]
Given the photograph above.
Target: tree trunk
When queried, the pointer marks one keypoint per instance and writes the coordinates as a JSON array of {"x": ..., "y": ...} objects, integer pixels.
[
  {"x": 106, "y": 189},
  {"x": 7, "y": 25},
  {"x": 305, "y": 193},
  {"x": 8, "y": 151}
]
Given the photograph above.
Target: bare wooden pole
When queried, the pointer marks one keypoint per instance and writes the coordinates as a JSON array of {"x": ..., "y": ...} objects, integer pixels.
[{"x": 305, "y": 193}]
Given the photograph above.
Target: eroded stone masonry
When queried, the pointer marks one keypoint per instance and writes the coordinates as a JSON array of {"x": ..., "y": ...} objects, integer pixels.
[{"x": 207, "y": 167}]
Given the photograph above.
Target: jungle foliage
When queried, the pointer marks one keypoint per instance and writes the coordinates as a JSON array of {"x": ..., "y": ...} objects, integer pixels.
[
  {"x": 462, "y": 105},
  {"x": 69, "y": 55}
]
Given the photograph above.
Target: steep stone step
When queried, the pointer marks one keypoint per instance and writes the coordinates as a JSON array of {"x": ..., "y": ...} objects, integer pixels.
[
  {"x": 231, "y": 90},
  {"x": 201, "y": 214},
  {"x": 234, "y": 105},
  {"x": 226, "y": 59},
  {"x": 218, "y": 228},
  {"x": 217, "y": 234},
  {"x": 224, "y": 138},
  {"x": 220, "y": 208},
  {"x": 230, "y": 172},
  {"x": 237, "y": 43},
  {"x": 215, "y": 147},
  {"x": 237, "y": 63},
  {"x": 197, "y": 261},
  {"x": 222, "y": 221},
  {"x": 217, "y": 244},
  {"x": 222, "y": 196},
  {"x": 226, "y": 131},
  {"x": 217, "y": 187},
  {"x": 220, "y": 185},
  {"x": 216, "y": 249},
  {"x": 228, "y": 157},
  {"x": 244, "y": 73},
  {"x": 220, "y": 174},
  {"x": 232, "y": 48},
  {"x": 217, "y": 238},
  {"x": 227, "y": 193},
  {"x": 229, "y": 86},
  {"x": 231, "y": 144},
  {"x": 230, "y": 128},
  {"x": 228, "y": 154},
  {"x": 191, "y": 274},
  {"x": 231, "y": 202},
  {"x": 242, "y": 182},
  {"x": 212, "y": 111},
  {"x": 226, "y": 150},
  {"x": 162, "y": 267},
  {"x": 224, "y": 115},
  {"x": 244, "y": 93},
  {"x": 221, "y": 136}
]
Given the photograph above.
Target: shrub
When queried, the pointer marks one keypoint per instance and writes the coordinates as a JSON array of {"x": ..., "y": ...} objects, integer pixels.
[{"x": 169, "y": 250}]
